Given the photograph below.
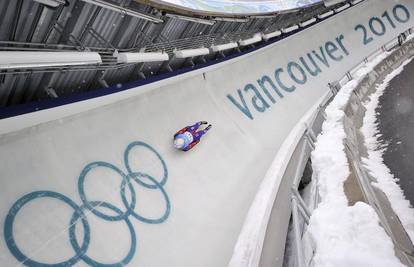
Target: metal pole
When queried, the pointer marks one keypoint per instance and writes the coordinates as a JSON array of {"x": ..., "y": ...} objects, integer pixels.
[
  {"x": 298, "y": 171},
  {"x": 298, "y": 239},
  {"x": 302, "y": 204}
]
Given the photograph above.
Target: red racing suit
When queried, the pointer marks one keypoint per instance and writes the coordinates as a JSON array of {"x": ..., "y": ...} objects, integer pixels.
[{"x": 193, "y": 131}]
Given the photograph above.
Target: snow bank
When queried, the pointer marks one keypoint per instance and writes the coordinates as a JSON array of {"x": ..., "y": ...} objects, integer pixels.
[
  {"x": 344, "y": 236},
  {"x": 375, "y": 162}
]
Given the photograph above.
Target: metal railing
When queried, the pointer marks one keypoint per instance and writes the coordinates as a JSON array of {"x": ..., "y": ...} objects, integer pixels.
[{"x": 300, "y": 210}]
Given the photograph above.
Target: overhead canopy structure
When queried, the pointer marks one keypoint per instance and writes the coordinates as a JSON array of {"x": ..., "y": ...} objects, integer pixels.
[
  {"x": 131, "y": 41},
  {"x": 234, "y": 7}
]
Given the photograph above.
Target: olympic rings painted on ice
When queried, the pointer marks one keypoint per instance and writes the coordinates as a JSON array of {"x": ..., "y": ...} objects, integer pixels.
[
  {"x": 8, "y": 228},
  {"x": 164, "y": 166},
  {"x": 89, "y": 260},
  {"x": 81, "y": 248},
  {"x": 135, "y": 176}
]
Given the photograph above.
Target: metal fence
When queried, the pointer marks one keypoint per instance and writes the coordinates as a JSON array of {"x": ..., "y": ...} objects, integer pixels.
[{"x": 301, "y": 212}]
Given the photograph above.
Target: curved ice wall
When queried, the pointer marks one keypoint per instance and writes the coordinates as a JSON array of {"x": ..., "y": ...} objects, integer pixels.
[{"x": 160, "y": 207}]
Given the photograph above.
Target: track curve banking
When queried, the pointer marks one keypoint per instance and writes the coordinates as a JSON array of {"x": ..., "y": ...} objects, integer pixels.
[{"x": 98, "y": 182}]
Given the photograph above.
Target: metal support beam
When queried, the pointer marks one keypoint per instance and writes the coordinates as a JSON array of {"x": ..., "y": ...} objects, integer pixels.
[
  {"x": 35, "y": 23},
  {"x": 51, "y": 92},
  {"x": 141, "y": 39},
  {"x": 90, "y": 22},
  {"x": 61, "y": 29},
  {"x": 7, "y": 100},
  {"x": 137, "y": 72},
  {"x": 310, "y": 141},
  {"x": 71, "y": 23},
  {"x": 100, "y": 78},
  {"x": 189, "y": 62},
  {"x": 51, "y": 3},
  {"x": 311, "y": 133},
  {"x": 120, "y": 33},
  {"x": 100, "y": 38},
  {"x": 301, "y": 166},
  {"x": 297, "y": 234},
  {"x": 103, "y": 83},
  {"x": 202, "y": 59},
  {"x": 307, "y": 214},
  {"x": 47, "y": 81},
  {"x": 123, "y": 10},
  {"x": 323, "y": 113},
  {"x": 12, "y": 35},
  {"x": 2, "y": 77},
  {"x": 166, "y": 67},
  {"x": 55, "y": 18},
  {"x": 220, "y": 55}
]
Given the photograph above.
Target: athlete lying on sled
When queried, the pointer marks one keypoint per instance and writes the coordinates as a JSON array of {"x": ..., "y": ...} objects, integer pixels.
[{"x": 188, "y": 137}]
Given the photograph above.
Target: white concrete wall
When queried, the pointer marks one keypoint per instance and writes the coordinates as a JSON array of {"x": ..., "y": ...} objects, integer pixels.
[{"x": 210, "y": 189}]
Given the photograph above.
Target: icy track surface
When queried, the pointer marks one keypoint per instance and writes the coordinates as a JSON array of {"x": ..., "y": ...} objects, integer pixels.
[
  {"x": 344, "y": 235},
  {"x": 375, "y": 162}
]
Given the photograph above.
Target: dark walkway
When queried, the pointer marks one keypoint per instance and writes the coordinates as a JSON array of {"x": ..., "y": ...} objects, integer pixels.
[{"x": 396, "y": 123}]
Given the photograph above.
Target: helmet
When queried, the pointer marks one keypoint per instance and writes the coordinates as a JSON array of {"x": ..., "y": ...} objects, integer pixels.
[
  {"x": 182, "y": 141},
  {"x": 179, "y": 143}
]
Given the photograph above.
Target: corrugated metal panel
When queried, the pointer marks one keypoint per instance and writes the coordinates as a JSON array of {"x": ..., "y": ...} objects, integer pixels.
[{"x": 82, "y": 25}]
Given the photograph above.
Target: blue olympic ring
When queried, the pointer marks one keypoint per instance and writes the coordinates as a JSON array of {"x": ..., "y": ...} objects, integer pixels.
[
  {"x": 88, "y": 205},
  {"x": 164, "y": 166},
  {"x": 135, "y": 176},
  {"x": 89, "y": 260},
  {"x": 8, "y": 229},
  {"x": 92, "y": 206}
]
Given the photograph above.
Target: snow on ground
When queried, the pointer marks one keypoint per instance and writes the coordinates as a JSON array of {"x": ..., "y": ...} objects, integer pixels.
[
  {"x": 344, "y": 236},
  {"x": 375, "y": 162}
]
